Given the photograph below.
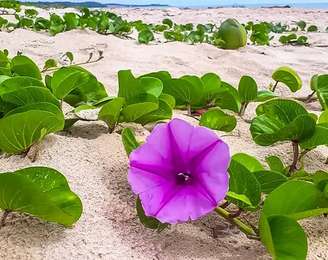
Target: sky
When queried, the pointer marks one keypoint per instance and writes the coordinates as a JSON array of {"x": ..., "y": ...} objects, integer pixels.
[{"x": 197, "y": 2}]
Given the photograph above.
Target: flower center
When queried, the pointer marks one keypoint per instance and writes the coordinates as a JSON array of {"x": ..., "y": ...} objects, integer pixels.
[{"x": 183, "y": 177}]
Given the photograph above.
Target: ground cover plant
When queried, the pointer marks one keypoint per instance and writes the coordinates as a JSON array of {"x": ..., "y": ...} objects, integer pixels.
[
  {"x": 230, "y": 34},
  {"x": 179, "y": 165}
]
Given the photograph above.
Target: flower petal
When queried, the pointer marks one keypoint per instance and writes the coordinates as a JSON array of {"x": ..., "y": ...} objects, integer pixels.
[
  {"x": 143, "y": 181},
  {"x": 155, "y": 155},
  {"x": 181, "y": 133},
  {"x": 211, "y": 170},
  {"x": 201, "y": 139},
  {"x": 181, "y": 204}
]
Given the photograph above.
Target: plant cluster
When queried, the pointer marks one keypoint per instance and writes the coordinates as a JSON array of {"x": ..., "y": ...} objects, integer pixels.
[
  {"x": 229, "y": 35},
  {"x": 187, "y": 164},
  {"x": 275, "y": 190}
]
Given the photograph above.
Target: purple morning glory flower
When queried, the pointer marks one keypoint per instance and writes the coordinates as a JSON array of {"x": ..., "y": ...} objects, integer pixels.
[{"x": 180, "y": 173}]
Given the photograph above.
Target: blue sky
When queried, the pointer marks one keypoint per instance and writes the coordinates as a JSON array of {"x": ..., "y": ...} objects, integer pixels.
[{"x": 198, "y": 2}]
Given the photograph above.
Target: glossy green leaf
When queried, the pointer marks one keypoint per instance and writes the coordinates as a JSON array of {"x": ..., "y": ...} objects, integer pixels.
[
  {"x": 247, "y": 89},
  {"x": 228, "y": 98},
  {"x": 289, "y": 77},
  {"x": 216, "y": 119},
  {"x": 281, "y": 120},
  {"x": 248, "y": 161},
  {"x": 25, "y": 125},
  {"x": 129, "y": 141},
  {"x": 24, "y": 66},
  {"x": 132, "y": 88},
  {"x": 145, "y": 36},
  {"x": 212, "y": 86},
  {"x": 244, "y": 189},
  {"x": 283, "y": 237},
  {"x": 15, "y": 83},
  {"x": 42, "y": 192},
  {"x": 296, "y": 199},
  {"x": 163, "y": 112},
  {"x": 66, "y": 80},
  {"x": 275, "y": 163},
  {"x": 133, "y": 112},
  {"x": 319, "y": 137},
  {"x": 186, "y": 91},
  {"x": 323, "y": 117},
  {"x": 50, "y": 63},
  {"x": 110, "y": 112},
  {"x": 29, "y": 95},
  {"x": 270, "y": 180},
  {"x": 321, "y": 87}
]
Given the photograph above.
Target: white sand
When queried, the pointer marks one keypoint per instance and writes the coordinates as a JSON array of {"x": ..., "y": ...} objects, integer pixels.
[{"x": 95, "y": 162}]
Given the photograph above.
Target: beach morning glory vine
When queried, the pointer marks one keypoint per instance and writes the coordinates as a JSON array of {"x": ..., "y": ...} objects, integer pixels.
[{"x": 180, "y": 173}]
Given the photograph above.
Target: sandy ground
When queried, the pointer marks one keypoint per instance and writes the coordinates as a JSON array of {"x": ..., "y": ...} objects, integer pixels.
[{"x": 95, "y": 162}]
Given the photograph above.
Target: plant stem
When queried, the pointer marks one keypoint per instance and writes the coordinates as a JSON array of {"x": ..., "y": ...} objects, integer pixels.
[
  {"x": 275, "y": 86},
  {"x": 246, "y": 229},
  {"x": 76, "y": 64},
  {"x": 309, "y": 97},
  {"x": 293, "y": 167},
  {"x": 4, "y": 217},
  {"x": 189, "y": 109},
  {"x": 243, "y": 109}
]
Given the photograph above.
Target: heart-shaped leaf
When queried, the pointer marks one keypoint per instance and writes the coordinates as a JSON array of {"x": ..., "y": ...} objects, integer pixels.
[
  {"x": 275, "y": 164},
  {"x": 25, "y": 125},
  {"x": 131, "y": 88},
  {"x": 228, "y": 98},
  {"x": 186, "y": 91},
  {"x": 247, "y": 89},
  {"x": 163, "y": 112},
  {"x": 145, "y": 36},
  {"x": 133, "y": 112},
  {"x": 281, "y": 120},
  {"x": 110, "y": 112},
  {"x": 319, "y": 137},
  {"x": 248, "y": 161},
  {"x": 41, "y": 192},
  {"x": 212, "y": 86},
  {"x": 129, "y": 141},
  {"x": 296, "y": 199},
  {"x": 289, "y": 77},
  {"x": 244, "y": 189},
  {"x": 283, "y": 237},
  {"x": 24, "y": 66},
  {"x": 320, "y": 85},
  {"x": 216, "y": 119},
  {"x": 270, "y": 180}
]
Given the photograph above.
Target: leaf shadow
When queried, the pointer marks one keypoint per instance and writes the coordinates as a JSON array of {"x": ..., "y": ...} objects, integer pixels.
[
  {"x": 22, "y": 228},
  {"x": 85, "y": 130}
]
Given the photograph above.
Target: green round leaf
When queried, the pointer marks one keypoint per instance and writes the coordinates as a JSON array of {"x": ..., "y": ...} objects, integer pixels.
[
  {"x": 42, "y": 192},
  {"x": 296, "y": 199},
  {"x": 216, "y": 119},
  {"x": 25, "y": 125},
  {"x": 24, "y": 66},
  {"x": 281, "y": 120},
  {"x": 283, "y": 237},
  {"x": 247, "y": 89},
  {"x": 129, "y": 141},
  {"x": 289, "y": 77}
]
